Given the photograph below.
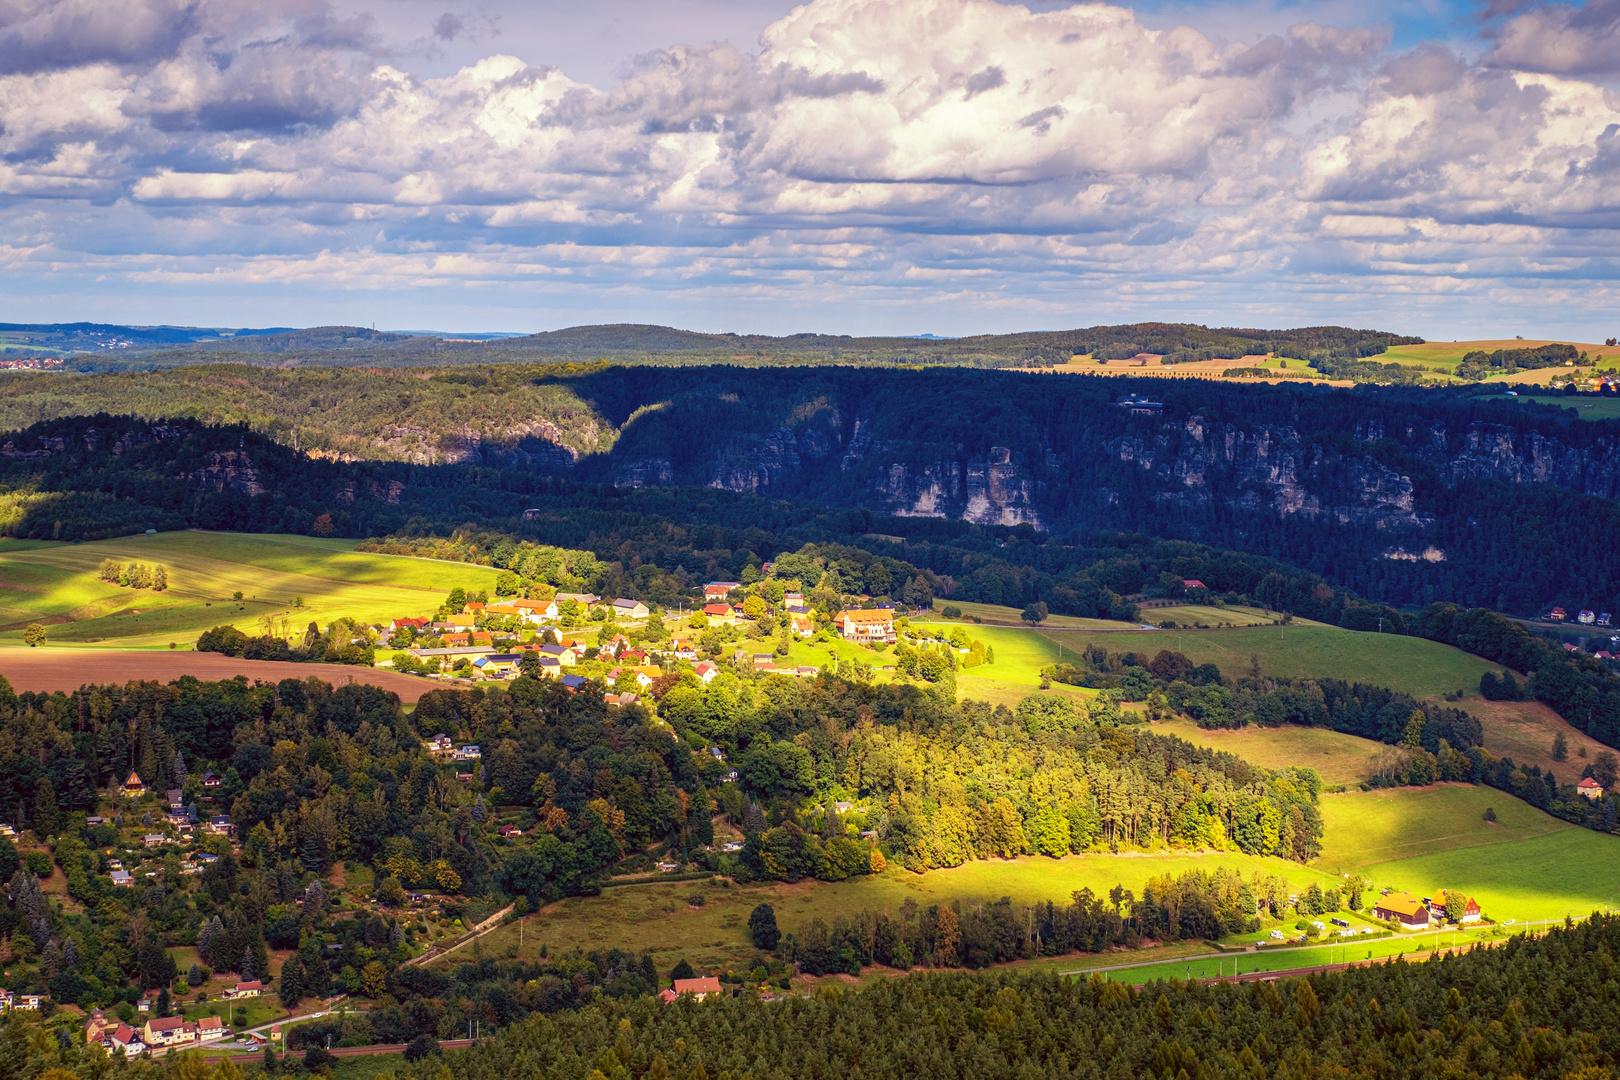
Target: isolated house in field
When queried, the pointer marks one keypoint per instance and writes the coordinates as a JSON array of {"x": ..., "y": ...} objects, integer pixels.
[
  {"x": 133, "y": 785},
  {"x": 1403, "y": 908},
  {"x": 1590, "y": 788}
]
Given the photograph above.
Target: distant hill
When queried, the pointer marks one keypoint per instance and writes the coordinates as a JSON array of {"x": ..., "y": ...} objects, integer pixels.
[
  {"x": 114, "y": 338},
  {"x": 99, "y": 346}
]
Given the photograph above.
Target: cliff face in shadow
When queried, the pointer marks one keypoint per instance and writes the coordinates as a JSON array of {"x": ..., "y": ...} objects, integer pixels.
[{"x": 1057, "y": 452}]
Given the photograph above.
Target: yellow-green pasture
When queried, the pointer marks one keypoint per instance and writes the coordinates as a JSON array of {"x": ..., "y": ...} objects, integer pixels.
[{"x": 57, "y": 584}]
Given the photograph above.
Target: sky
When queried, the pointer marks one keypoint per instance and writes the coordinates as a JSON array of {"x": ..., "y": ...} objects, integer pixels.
[{"x": 1436, "y": 167}]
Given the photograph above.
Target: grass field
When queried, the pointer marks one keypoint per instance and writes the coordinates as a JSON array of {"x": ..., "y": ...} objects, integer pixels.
[
  {"x": 1339, "y": 758},
  {"x": 1411, "y": 665},
  {"x": 1205, "y": 615},
  {"x": 660, "y": 918},
  {"x": 56, "y": 584},
  {"x": 1364, "y": 828},
  {"x": 1585, "y": 408},
  {"x": 1012, "y": 615},
  {"x": 1524, "y": 731},
  {"x": 1412, "y": 946}
]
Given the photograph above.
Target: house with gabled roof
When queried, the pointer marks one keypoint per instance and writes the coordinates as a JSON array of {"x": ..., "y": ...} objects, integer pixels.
[
  {"x": 1589, "y": 788},
  {"x": 134, "y": 787},
  {"x": 1404, "y": 908},
  {"x": 626, "y": 608}
]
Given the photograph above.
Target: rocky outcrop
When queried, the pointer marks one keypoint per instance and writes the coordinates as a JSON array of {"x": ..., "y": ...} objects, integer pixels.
[
  {"x": 535, "y": 444},
  {"x": 233, "y": 470},
  {"x": 1272, "y": 470}
]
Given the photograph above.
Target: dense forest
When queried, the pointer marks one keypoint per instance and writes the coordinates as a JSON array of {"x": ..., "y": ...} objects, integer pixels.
[
  {"x": 1457, "y": 1015},
  {"x": 313, "y": 775}
]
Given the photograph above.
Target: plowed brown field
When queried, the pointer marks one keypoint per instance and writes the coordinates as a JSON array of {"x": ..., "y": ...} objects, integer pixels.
[{"x": 67, "y": 670}]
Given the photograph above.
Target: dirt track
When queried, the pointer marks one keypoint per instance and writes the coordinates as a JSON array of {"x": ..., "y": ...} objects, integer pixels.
[{"x": 68, "y": 669}]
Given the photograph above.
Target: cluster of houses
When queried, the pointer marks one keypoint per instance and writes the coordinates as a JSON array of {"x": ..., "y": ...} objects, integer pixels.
[
  {"x": 498, "y": 654},
  {"x": 181, "y": 818},
  {"x": 1584, "y": 617},
  {"x": 161, "y": 1033},
  {"x": 1415, "y": 913}
]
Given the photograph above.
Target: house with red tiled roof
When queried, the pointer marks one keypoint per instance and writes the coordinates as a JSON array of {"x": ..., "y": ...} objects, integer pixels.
[
  {"x": 698, "y": 988},
  {"x": 1590, "y": 788}
]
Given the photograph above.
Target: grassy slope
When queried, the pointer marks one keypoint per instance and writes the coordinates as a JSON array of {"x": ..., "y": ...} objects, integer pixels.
[
  {"x": 1339, "y": 758},
  {"x": 1001, "y": 613},
  {"x": 1585, "y": 408},
  {"x": 57, "y": 584},
  {"x": 658, "y": 917}
]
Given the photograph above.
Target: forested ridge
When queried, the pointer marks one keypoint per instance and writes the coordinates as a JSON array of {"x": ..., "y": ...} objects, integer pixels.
[
  {"x": 1469, "y": 1015},
  {"x": 489, "y": 442}
]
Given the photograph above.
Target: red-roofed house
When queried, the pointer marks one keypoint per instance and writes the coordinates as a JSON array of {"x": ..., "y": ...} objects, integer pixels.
[
  {"x": 1590, "y": 788},
  {"x": 719, "y": 590},
  {"x": 717, "y": 611},
  {"x": 210, "y": 1027},
  {"x": 1192, "y": 583},
  {"x": 1439, "y": 902},
  {"x": 169, "y": 1031},
  {"x": 698, "y": 988}
]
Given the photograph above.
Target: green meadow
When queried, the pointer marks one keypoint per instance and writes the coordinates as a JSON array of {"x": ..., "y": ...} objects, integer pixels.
[
  {"x": 706, "y": 921},
  {"x": 57, "y": 584},
  {"x": 1411, "y": 665},
  {"x": 1585, "y": 408}
]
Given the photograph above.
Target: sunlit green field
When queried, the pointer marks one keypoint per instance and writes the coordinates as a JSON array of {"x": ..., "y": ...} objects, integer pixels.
[
  {"x": 1338, "y": 758},
  {"x": 1411, "y": 665},
  {"x": 1524, "y": 866},
  {"x": 56, "y": 584}
]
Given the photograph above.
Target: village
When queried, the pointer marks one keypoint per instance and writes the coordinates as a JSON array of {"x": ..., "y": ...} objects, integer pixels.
[{"x": 625, "y": 646}]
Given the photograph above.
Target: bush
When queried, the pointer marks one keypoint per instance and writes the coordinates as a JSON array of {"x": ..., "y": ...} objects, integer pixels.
[
  {"x": 420, "y": 1047},
  {"x": 38, "y": 863},
  {"x": 317, "y": 1058},
  {"x": 951, "y": 611},
  {"x": 1490, "y": 813}
]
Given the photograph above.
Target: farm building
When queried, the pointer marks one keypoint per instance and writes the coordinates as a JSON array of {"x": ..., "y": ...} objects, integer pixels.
[
  {"x": 1403, "y": 908},
  {"x": 1440, "y": 901}
]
